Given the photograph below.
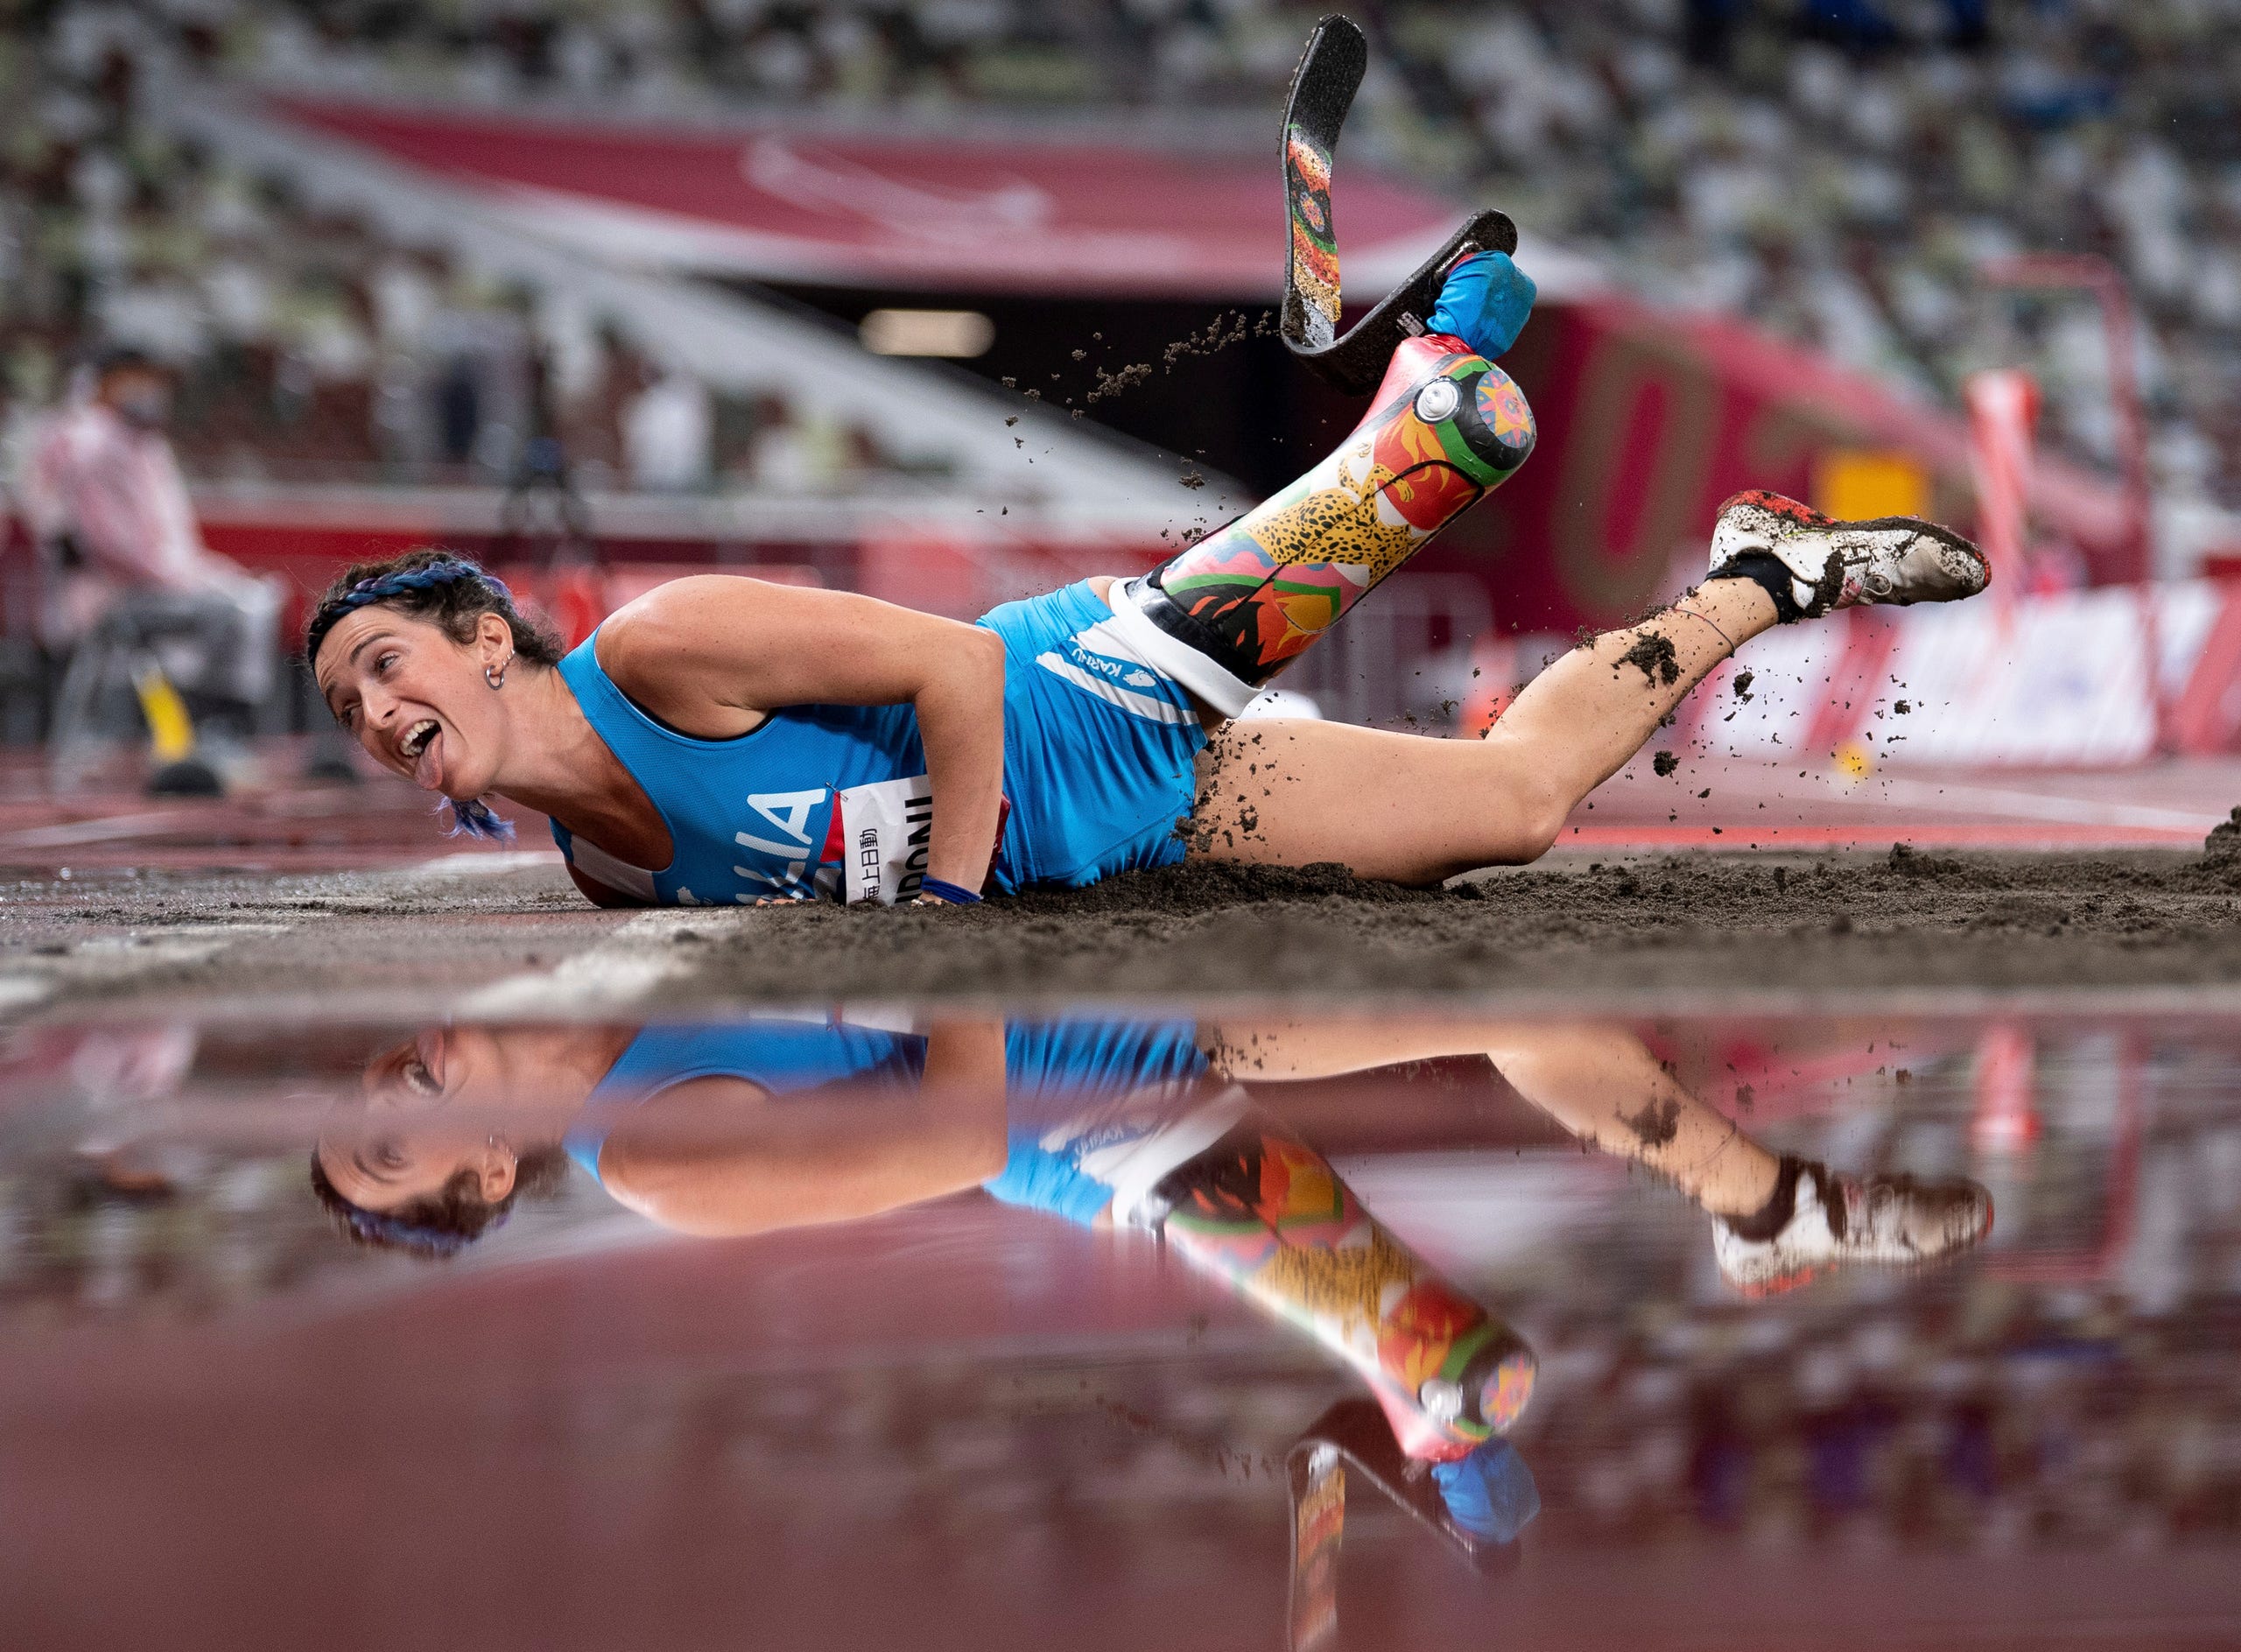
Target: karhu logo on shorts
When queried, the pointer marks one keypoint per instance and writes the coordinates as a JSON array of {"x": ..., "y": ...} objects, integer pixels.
[
  {"x": 1112, "y": 670},
  {"x": 1132, "y": 674}
]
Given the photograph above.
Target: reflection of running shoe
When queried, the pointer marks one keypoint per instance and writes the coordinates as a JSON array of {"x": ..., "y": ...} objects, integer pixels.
[
  {"x": 1841, "y": 564},
  {"x": 1838, "y": 1221}
]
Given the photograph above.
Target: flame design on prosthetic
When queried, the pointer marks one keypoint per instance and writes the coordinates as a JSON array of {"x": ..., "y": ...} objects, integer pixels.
[
  {"x": 1447, "y": 425},
  {"x": 1265, "y": 1211},
  {"x": 1314, "y": 243}
]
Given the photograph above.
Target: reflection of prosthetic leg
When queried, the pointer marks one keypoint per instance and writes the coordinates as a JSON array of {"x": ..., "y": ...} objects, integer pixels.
[
  {"x": 1349, "y": 1447},
  {"x": 1264, "y": 1210},
  {"x": 1249, "y": 1202},
  {"x": 1225, "y": 615}
]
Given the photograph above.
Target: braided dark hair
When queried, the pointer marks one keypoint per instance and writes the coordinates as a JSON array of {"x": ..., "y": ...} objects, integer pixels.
[
  {"x": 437, "y": 586},
  {"x": 452, "y": 593},
  {"x": 441, "y": 1224}
]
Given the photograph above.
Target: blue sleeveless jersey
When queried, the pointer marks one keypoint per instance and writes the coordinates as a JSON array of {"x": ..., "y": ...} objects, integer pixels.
[
  {"x": 1078, "y": 1092},
  {"x": 1079, "y": 1095},
  {"x": 1097, "y": 750},
  {"x": 784, "y": 1055}
]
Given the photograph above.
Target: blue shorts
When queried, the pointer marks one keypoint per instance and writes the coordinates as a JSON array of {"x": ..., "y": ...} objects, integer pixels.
[
  {"x": 1079, "y": 1096},
  {"x": 1097, "y": 745}
]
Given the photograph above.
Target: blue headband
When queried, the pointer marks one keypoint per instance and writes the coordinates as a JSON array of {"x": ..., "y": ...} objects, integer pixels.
[
  {"x": 382, "y": 587},
  {"x": 472, "y": 818},
  {"x": 402, "y": 1235}
]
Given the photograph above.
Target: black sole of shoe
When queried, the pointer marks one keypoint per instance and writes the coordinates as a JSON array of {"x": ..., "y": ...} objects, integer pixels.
[{"x": 1330, "y": 72}]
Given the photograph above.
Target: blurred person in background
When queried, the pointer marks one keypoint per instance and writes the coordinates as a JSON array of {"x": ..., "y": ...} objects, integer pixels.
[
  {"x": 667, "y": 429},
  {"x": 106, "y": 505}
]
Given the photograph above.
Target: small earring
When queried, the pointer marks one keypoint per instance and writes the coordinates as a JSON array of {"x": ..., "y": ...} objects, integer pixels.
[{"x": 494, "y": 675}]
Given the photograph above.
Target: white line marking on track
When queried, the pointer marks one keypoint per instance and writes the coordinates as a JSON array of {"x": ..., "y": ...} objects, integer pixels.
[
  {"x": 618, "y": 971},
  {"x": 18, "y": 992},
  {"x": 2036, "y": 805},
  {"x": 107, "y": 829},
  {"x": 108, "y": 960},
  {"x": 484, "y": 862}
]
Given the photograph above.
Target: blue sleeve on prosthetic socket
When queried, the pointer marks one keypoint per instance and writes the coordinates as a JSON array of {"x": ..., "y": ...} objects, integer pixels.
[
  {"x": 1489, "y": 1493},
  {"x": 1485, "y": 303}
]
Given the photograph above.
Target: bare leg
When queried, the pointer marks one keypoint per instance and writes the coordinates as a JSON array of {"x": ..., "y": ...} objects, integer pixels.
[
  {"x": 1417, "y": 810},
  {"x": 1598, "y": 1081}
]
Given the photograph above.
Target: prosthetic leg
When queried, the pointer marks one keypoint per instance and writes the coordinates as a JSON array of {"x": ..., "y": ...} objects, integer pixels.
[
  {"x": 1446, "y": 427},
  {"x": 1349, "y": 1447},
  {"x": 1264, "y": 1211}
]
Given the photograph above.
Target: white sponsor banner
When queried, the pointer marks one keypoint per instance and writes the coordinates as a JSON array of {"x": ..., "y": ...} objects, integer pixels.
[
  {"x": 2065, "y": 682},
  {"x": 2054, "y": 681}
]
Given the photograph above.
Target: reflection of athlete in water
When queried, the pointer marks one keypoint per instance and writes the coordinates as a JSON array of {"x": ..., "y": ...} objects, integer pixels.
[
  {"x": 774, "y": 1121},
  {"x": 722, "y": 739},
  {"x": 777, "y": 1121}
]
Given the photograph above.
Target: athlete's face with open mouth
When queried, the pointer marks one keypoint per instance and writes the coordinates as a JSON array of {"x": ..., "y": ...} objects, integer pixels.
[
  {"x": 426, "y": 1115},
  {"x": 418, "y": 701}
]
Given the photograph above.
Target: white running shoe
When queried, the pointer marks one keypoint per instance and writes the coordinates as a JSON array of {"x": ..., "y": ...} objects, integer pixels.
[
  {"x": 1840, "y": 1220},
  {"x": 1841, "y": 564}
]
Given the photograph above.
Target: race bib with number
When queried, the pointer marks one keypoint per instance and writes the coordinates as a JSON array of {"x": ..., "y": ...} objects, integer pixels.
[{"x": 884, "y": 831}]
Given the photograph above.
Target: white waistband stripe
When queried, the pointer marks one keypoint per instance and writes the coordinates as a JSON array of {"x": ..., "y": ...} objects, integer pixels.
[
  {"x": 1145, "y": 706},
  {"x": 1170, "y": 655}
]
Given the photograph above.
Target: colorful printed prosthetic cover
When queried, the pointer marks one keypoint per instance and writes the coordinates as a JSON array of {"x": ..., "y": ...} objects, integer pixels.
[
  {"x": 1315, "y": 236},
  {"x": 1446, "y": 426},
  {"x": 1265, "y": 1211}
]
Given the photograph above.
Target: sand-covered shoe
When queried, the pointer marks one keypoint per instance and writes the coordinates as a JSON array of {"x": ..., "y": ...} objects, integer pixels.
[
  {"x": 1840, "y": 564},
  {"x": 1837, "y": 1222}
]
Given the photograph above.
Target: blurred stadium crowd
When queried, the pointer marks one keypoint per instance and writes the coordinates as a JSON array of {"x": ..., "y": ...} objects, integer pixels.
[
  {"x": 1835, "y": 169},
  {"x": 306, "y": 346}
]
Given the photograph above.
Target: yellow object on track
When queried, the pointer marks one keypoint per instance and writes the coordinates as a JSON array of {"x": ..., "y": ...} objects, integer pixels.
[{"x": 171, "y": 730}]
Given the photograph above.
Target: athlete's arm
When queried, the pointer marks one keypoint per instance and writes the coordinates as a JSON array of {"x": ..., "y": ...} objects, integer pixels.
[
  {"x": 720, "y": 1158},
  {"x": 712, "y": 655}
]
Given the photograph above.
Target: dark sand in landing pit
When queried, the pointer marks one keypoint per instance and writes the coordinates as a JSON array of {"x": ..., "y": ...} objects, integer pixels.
[
  {"x": 1695, "y": 924},
  {"x": 1689, "y": 923}
]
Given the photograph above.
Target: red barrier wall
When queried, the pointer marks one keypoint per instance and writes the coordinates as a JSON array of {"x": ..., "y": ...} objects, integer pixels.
[{"x": 1648, "y": 419}]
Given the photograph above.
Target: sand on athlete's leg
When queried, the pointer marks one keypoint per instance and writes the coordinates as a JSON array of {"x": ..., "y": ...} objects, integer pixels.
[
  {"x": 1598, "y": 1081},
  {"x": 1417, "y": 809}
]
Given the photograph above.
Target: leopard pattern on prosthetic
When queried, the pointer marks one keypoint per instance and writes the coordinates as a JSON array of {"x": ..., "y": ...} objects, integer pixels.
[
  {"x": 1447, "y": 427},
  {"x": 1339, "y": 525}
]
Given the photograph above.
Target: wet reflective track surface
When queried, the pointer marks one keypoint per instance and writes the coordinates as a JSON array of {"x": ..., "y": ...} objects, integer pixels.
[{"x": 853, "y": 1328}]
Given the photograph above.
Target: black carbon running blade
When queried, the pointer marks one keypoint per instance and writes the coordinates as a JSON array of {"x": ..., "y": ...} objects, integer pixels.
[
  {"x": 1330, "y": 72},
  {"x": 1358, "y": 361},
  {"x": 1357, "y": 1431},
  {"x": 1322, "y": 90}
]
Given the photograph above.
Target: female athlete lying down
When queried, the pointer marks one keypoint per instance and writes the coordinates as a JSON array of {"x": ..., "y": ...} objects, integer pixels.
[{"x": 724, "y": 740}]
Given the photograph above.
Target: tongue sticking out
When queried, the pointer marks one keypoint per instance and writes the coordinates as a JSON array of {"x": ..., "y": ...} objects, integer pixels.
[{"x": 427, "y": 768}]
